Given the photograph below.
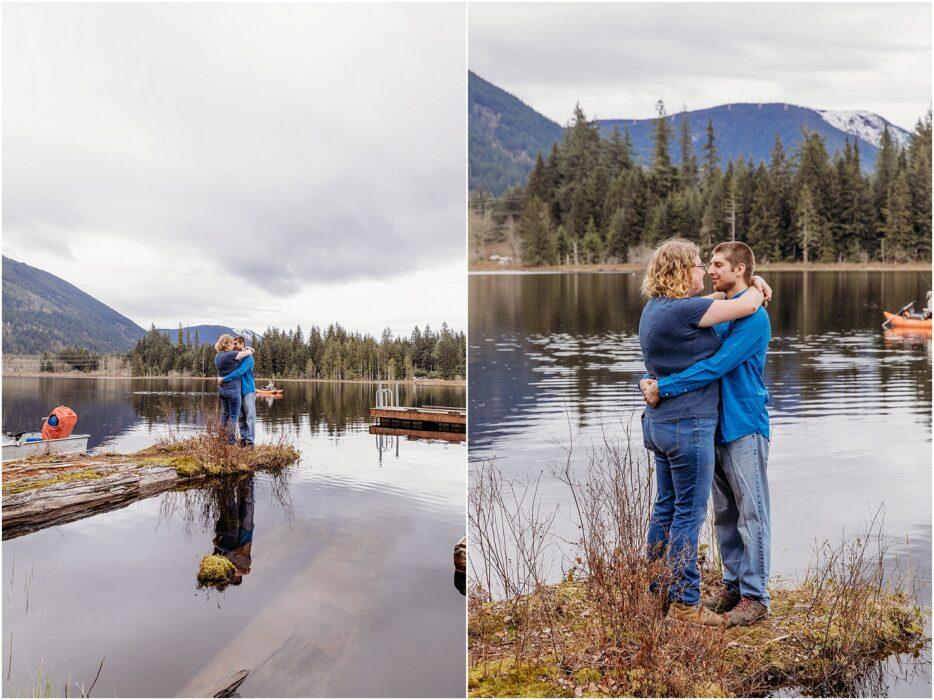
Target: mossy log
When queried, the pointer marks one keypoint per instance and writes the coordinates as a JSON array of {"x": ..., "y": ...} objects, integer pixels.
[{"x": 48, "y": 490}]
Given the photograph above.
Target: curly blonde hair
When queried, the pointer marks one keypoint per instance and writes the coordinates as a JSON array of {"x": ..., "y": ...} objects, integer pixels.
[
  {"x": 669, "y": 270},
  {"x": 224, "y": 343}
]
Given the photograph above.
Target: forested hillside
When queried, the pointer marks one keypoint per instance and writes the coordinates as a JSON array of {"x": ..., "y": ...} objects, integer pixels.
[
  {"x": 333, "y": 353},
  {"x": 44, "y": 312},
  {"x": 504, "y": 135},
  {"x": 589, "y": 200}
]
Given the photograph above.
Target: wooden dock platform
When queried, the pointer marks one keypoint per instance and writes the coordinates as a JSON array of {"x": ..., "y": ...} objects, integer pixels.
[{"x": 436, "y": 415}]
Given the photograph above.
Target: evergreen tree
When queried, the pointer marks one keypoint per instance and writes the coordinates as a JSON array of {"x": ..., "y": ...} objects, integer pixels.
[
  {"x": 886, "y": 165},
  {"x": 919, "y": 178},
  {"x": 899, "y": 232},
  {"x": 663, "y": 174},
  {"x": 688, "y": 160},
  {"x": 808, "y": 222},
  {"x": 711, "y": 165},
  {"x": 538, "y": 185},
  {"x": 537, "y": 234},
  {"x": 625, "y": 212},
  {"x": 765, "y": 224},
  {"x": 853, "y": 213},
  {"x": 592, "y": 245},
  {"x": 553, "y": 181},
  {"x": 618, "y": 153},
  {"x": 578, "y": 156},
  {"x": 780, "y": 173}
]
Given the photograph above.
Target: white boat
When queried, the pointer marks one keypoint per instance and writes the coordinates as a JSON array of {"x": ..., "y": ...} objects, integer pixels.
[{"x": 29, "y": 444}]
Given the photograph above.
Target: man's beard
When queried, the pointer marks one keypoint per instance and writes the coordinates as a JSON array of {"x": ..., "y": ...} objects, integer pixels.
[{"x": 723, "y": 286}]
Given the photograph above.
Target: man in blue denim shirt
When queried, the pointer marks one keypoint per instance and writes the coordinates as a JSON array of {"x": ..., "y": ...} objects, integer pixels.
[
  {"x": 741, "y": 489},
  {"x": 248, "y": 392}
]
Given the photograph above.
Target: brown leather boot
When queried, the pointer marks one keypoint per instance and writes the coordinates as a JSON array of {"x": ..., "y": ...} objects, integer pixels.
[
  {"x": 724, "y": 600},
  {"x": 697, "y": 614},
  {"x": 747, "y": 612}
]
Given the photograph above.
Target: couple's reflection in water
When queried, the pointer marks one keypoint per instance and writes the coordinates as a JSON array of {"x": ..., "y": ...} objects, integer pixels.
[{"x": 233, "y": 533}]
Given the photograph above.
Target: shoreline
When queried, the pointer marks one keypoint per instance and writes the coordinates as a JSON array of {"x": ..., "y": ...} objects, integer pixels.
[
  {"x": 495, "y": 268},
  {"x": 92, "y": 375}
]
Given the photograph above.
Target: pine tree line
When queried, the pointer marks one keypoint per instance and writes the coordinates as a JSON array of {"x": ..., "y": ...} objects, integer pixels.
[
  {"x": 332, "y": 354},
  {"x": 590, "y": 202}
]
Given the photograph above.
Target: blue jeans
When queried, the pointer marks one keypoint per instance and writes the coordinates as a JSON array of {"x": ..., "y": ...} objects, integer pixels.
[
  {"x": 742, "y": 516},
  {"x": 684, "y": 463},
  {"x": 248, "y": 418},
  {"x": 230, "y": 409}
]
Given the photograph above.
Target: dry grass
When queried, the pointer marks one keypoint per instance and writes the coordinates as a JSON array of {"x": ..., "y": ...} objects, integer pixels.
[
  {"x": 600, "y": 631},
  {"x": 209, "y": 454}
]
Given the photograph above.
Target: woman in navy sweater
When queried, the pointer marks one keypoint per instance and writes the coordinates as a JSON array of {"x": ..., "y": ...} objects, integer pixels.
[{"x": 226, "y": 362}]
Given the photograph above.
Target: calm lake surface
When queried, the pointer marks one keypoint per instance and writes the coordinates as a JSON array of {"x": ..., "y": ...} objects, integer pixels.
[
  {"x": 351, "y": 589},
  {"x": 555, "y": 359}
]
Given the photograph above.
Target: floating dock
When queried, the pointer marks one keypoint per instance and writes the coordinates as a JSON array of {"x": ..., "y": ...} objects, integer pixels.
[
  {"x": 414, "y": 434},
  {"x": 442, "y": 422}
]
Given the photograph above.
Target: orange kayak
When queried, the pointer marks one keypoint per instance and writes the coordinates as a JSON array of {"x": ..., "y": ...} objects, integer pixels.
[
  {"x": 263, "y": 392},
  {"x": 902, "y": 322}
]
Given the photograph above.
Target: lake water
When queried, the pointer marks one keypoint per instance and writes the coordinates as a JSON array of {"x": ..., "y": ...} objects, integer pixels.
[
  {"x": 351, "y": 588},
  {"x": 555, "y": 359}
]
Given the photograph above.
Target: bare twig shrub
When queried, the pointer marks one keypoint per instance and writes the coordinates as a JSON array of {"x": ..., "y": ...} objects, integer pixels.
[
  {"x": 208, "y": 453},
  {"x": 508, "y": 533}
]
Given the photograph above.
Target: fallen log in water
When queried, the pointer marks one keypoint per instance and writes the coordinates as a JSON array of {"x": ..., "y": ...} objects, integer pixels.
[
  {"x": 226, "y": 687},
  {"x": 49, "y": 490},
  {"x": 460, "y": 555}
]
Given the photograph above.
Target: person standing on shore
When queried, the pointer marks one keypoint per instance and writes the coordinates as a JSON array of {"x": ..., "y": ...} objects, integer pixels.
[
  {"x": 244, "y": 372},
  {"x": 742, "y": 514},
  {"x": 229, "y": 392},
  {"x": 675, "y": 332}
]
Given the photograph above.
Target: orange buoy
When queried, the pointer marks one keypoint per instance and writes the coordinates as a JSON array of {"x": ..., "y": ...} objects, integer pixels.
[{"x": 65, "y": 420}]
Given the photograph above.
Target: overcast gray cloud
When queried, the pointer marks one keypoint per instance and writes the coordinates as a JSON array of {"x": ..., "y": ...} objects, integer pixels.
[
  {"x": 187, "y": 151},
  {"x": 619, "y": 59}
]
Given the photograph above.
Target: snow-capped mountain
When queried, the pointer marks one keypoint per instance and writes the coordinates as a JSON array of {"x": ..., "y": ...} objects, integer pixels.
[
  {"x": 246, "y": 333},
  {"x": 209, "y": 333},
  {"x": 506, "y": 134},
  {"x": 866, "y": 125}
]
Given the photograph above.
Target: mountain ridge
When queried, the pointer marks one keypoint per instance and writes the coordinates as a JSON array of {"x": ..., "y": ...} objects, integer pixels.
[
  {"x": 743, "y": 129},
  {"x": 44, "y": 312}
]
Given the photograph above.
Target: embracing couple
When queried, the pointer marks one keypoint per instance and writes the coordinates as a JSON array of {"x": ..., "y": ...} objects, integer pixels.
[
  {"x": 237, "y": 390},
  {"x": 707, "y": 426}
]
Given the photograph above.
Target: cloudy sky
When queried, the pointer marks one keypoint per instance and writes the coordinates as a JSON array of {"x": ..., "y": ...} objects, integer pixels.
[
  {"x": 619, "y": 59},
  {"x": 251, "y": 165}
]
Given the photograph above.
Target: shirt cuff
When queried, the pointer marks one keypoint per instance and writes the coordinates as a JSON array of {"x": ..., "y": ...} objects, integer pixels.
[{"x": 665, "y": 389}]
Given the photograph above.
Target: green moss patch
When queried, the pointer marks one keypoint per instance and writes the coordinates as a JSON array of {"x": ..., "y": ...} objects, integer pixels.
[
  {"x": 214, "y": 570},
  {"x": 204, "y": 457},
  {"x": 19, "y": 486}
]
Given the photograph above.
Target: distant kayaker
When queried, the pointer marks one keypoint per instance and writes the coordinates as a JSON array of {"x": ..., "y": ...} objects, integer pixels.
[
  {"x": 269, "y": 386},
  {"x": 910, "y": 313}
]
